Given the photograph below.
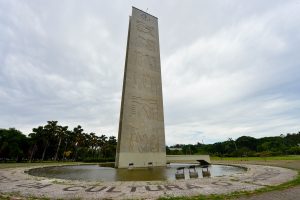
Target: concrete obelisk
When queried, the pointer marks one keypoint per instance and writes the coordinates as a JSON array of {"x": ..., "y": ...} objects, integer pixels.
[{"x": 141, "y": 137}]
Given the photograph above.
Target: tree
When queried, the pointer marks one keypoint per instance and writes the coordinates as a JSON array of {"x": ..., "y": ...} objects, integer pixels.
[
  {"x": 60, "y": 134},
  {"x": 93, "y": 140},
  {"x": 189, "y": 149},
  {"x": 80, "y": 140},
  {"x": 39, "y": 138},
  {"x": 102, "y": 144},
  {"x": 111, "y": 146},
  {"x": 68, "y": 137},
  {"x": 231, "y": 140},
  {"x": 247, "y": 142},
  {"x": 294, "y": 150},
  {"x": 13, "y": 144}
]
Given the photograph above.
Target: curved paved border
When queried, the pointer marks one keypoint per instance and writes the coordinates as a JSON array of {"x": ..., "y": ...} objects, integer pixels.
[{"x": 257, "y": 176}]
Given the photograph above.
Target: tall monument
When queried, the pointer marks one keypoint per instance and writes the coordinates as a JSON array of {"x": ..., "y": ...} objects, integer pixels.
[{"x": 141, "y": 137}]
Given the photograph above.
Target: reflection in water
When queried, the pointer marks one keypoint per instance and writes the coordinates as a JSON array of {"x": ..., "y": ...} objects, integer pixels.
[
  {"x": 97, "y": 173},
  {"x": 149, "y": 174}
]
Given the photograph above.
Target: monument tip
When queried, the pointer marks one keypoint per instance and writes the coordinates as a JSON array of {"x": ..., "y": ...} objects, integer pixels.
[{"x": 144, "y": 11}]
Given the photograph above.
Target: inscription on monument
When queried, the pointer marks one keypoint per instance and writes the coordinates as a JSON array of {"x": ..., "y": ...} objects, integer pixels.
[
  {"x": 146, "y": 61},
  {"x": 141, "y": 137},
  {"x": 146, "y": 83},
  {"x": 142, "y": 27},
  {"x": 134, "y": 141},
  {"x": 144, "y": 16},
  {"x": 145, "y": 43},
  {"x": 148, "y": 108}
]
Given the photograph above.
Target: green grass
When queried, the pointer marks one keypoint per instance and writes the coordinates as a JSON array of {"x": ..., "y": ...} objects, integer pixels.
[
  {"x": 16, "y": 195},
  {"x": 288, "y": 157},
  {"x": 15, "y": 165}
]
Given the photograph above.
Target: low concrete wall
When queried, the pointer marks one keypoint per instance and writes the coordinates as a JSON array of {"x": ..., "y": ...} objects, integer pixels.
[
  {"x": 187, "y": 158},
  {"x": 142, "y": 159}
]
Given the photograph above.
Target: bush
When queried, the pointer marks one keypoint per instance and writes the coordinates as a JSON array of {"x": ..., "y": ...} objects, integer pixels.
[{"x": 294, "y": 150}]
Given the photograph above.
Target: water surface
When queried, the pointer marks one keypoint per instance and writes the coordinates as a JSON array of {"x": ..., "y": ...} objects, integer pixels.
[{"x": 97, "y": 173}]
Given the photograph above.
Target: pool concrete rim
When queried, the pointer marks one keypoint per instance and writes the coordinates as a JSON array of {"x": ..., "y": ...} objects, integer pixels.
[
  {"x": 99, "y": 181},
  {"x": 256, "y": 177}
]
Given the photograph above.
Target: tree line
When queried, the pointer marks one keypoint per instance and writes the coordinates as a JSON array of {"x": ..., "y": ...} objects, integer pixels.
[
  {"x": 59, "y": 143},
  {"x": 56, "y": 142},
  {"x": 288, "y": 144}
]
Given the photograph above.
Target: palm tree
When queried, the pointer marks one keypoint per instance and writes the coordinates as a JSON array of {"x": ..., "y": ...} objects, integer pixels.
[
  {"x": 61, "y": 132},
  {"x": 111, "y": 146},
  {"x": 93, "y": 138},
  {"x": 39, "y": 137},
  {"x": 231, "y": 140},
  {"x": 79, "y": 139},
  {"x": 68, "y": 137},
  {"x": 102, "y": 143}
]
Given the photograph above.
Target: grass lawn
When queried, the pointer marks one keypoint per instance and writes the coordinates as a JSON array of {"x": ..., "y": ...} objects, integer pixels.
[
  {"x": 14, "y": 165},
  {"x": 291, "y": 162},
  {"x": 287, "y": 157}
]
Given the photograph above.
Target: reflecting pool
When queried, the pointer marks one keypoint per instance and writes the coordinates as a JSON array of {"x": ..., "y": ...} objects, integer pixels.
[{"x": 105, "y": 173}]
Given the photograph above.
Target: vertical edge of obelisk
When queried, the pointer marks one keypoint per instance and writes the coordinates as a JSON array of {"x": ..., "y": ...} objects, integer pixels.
[
  {"x": 162, "y": 96},
  {"x": 122, "y": 101}
]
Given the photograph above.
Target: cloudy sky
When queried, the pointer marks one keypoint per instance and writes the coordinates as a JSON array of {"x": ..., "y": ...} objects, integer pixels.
[{"x": 229, "y": 68}]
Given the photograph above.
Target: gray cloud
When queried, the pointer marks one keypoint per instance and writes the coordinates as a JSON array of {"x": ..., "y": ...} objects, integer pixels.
[{"x": 230, "y": 68}]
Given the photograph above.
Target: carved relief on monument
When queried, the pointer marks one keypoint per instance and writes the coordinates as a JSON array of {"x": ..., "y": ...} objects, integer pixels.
[
  {"x": 151, "y": 83},
  {"x": 141, "y": 128},
  {"x": 146, "y": 61},
  {"x": 144, "y": 140},
  {"x": 144, "y": 28},
  {"x": 146, "y": 108},
  {"x": 146, "y": 82},
  {"x": 145, "y": 43},
  {"x": 144, "y": 17}
]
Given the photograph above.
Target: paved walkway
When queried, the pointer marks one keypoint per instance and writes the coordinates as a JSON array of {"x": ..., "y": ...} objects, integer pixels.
[
  {"x": 16, "y": 181},
  {"x": 288, "y": 194}
]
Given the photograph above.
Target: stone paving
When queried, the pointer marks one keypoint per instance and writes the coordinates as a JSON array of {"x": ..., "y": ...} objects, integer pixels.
[{"x": 15, "y": 180}]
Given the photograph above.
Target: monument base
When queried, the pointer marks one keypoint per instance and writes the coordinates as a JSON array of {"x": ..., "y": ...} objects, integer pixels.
[
  {"x": 140, "y": 160},
  {"x": 188, "y": 158}
]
